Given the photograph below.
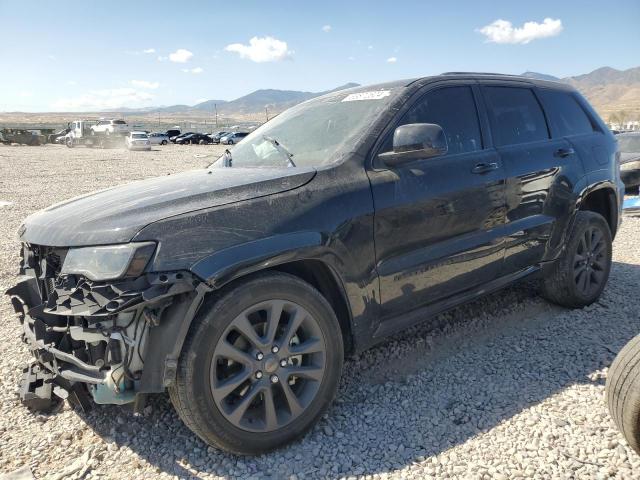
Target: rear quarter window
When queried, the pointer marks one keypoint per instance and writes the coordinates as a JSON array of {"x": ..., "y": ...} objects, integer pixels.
[
  {"x": 516, "y": 115},
  {"x": 565, "y": 113}
]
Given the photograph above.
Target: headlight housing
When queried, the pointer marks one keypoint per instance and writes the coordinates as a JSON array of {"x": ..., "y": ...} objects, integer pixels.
[{"x": 109, "y": 262}]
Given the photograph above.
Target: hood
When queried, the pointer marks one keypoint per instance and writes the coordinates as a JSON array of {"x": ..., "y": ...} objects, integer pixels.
[
  {"x": 115, "y": 215},
  {"x": 626, "y": 157}
]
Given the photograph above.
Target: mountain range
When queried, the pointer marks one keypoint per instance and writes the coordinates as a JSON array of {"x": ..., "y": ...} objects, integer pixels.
[{"x": 611, "y": 91}]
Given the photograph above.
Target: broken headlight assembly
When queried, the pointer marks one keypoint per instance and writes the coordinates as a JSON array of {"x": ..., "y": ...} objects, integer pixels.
[{"x": 108, "y": 262}]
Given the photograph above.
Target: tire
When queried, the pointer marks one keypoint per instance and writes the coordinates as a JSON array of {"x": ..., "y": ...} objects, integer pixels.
[
  {"x": 578, "y": 278},
  {"x": 623, "y": 392},
  {"x": 230, "y": 142},
  {"x": 201, "y": 142},
  {"x": 69, "y": 143},
  {"x": 202, "y": 408},
  {"x": 164, "y": 142}
]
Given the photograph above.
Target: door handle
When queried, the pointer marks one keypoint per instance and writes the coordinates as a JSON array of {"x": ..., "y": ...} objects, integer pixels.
[
  {"x": 484, "y": 167},
  {"x": 564, "y": 152}
]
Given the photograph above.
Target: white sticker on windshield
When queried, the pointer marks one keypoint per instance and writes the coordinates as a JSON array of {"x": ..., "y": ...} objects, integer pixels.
[{"x": 375, "y": 95}]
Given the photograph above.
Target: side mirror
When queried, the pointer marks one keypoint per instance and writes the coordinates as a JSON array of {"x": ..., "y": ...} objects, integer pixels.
[{"x": 415, "y": 141}]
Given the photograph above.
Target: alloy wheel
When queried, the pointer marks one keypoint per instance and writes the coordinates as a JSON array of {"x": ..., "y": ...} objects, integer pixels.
[
  {"x": 268, "y": 365},
  {"x": 590, "y": 261}
]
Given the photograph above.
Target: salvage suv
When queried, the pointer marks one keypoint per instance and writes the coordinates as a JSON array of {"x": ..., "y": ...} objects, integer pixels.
[{"x": 240, "y": 288}]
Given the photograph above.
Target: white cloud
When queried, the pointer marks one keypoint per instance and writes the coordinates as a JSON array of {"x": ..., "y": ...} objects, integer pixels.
[
  {"x": 149, "y": 50},
  {"x": 104, "y": 99},
  {"x": 25, "y": 94},
  {"x": 145, "y": 84},
  {"x": 193, "y": 70},
  {"x": 261, "y": 49},
  {"x": 180, "y": 56},
  {"x": 162, "y": 59},
  {"x": 392, "y": 60},
  {"x": 351, "y": 58},
  {"x": 326, "y": 28},
  {"x": 52, "y": 57},
  {"x": 370, "y": 47},
  {"x": 72, "y": 82},
  {"x": 503, "y": 31}
]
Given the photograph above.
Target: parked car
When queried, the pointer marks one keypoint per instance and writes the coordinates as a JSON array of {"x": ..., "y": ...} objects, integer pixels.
[
  {"x": 215, "y": 137},
  {"x": 138, "y": 141},
  {"x": 232, "y": 138},
  {"x": 110, "y": 127},
  {"x": 158, "y": 138},
  {"x": 194, "y": 139},
  {"x": 173, "y": 132},
  {"x": 53, "y": 138},
  {"x": 629, "y": 144},
  {"x": 341, "y": 221},
  {"x": 24, "y": 137},
  {"x": 178, "y": 137}
]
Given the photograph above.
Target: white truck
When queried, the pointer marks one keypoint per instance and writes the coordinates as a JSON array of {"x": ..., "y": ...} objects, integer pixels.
[{"x": 81, "y": 132}]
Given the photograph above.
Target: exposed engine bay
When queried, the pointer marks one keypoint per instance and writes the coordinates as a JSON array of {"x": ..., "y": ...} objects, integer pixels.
[{"x": 90, "y": 338}]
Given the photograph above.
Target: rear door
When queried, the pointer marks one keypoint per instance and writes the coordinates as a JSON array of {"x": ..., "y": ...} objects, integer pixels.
[
  {"x": 437, "y": 220},
  {"x": 540, "y": 170}
]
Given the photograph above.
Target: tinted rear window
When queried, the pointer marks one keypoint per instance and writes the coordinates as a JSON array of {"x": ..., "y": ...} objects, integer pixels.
[
  {"x": 119, "y": 122},
  {"x": 565, "y": 114},
  {"x": 516, "y": 116}
]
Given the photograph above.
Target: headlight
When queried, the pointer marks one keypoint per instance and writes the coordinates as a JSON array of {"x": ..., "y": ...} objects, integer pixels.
[{"x": 109, "y": 262}]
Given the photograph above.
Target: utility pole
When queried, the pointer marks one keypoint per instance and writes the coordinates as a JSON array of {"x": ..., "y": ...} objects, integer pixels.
[
  {"x": 266, "y": 111},
  {"x": 215, "y": 107}
]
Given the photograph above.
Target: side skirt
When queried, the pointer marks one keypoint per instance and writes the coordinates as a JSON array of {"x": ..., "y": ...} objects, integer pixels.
[{"x": 421, "y": 314}]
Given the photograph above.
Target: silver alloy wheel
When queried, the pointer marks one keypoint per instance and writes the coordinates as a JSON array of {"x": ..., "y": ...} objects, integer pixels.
[{"x": 268, "y": 365}]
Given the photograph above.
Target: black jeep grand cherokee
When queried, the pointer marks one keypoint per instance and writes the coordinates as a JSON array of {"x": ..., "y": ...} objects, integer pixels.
[{"x": 241, "y": 288}]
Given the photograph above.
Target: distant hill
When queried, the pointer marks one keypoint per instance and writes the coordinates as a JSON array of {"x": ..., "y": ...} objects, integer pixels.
[
  {"x": 252, "y": 104},
  {"x": 612, "y": 92}
]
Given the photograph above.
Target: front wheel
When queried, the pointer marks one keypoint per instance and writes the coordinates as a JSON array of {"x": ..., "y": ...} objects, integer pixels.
[
  {"x": 260, "y": 365},
  {"x": 230, "y": 142},
  {"x": 164, "y": 142},
  {"x": 579, "y": 277}
]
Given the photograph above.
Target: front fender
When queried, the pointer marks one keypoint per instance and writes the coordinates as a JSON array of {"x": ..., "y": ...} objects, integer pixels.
[{"x": 225, "y": 265}]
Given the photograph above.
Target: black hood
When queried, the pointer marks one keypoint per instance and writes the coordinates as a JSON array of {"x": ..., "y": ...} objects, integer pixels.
[{"x": 115, "y": 215}]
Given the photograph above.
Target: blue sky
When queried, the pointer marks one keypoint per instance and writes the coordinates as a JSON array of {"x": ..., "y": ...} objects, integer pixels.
[{"x": 79, "y": 55}]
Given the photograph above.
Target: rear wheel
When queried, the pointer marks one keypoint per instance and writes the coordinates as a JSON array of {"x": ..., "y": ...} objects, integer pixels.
[
  {"x": 69, "y": 143},
  {"x": 578, "y": 278},
  {"x": 164, "y": 142},
  {"x": 260, "y": 365},
  {"x": 230, "y": 142}
]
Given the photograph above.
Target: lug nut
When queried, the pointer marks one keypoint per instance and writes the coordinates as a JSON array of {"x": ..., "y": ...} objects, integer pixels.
[
  {"x": 259, "y": 355},
  {"x": 274, "y": 379},
  {"x": 258, "y": 374},
  {"x": 283, "y": 363},
  {"x": 275, "y": 349}
]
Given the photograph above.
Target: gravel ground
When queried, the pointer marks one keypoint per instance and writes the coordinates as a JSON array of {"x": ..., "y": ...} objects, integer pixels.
[{"x": 506, "y": 387}]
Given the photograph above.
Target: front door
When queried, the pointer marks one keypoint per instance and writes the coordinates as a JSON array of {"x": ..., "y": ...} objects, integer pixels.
[{"x": 437, "y": 220}]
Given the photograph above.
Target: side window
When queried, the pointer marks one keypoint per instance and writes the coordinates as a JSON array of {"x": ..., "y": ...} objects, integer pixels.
[
  {"x": 565, "y": 114},
  {"x": 516, "y": 116},
  {"x": 454, "y": 109}
]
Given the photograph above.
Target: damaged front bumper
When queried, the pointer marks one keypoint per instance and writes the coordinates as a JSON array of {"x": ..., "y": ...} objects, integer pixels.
[{"x": 110, "y": 342}]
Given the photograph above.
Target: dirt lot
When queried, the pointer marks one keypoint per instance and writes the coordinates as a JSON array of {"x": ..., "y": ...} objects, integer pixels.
[{"x": 506, "y": 387}]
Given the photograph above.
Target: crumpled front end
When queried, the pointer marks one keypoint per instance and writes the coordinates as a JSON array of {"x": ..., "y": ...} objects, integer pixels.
[{"x": 91, "y": 339}]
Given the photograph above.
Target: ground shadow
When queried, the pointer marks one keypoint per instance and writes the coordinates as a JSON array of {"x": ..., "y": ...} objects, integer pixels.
[{"x": 507, "y": 353}]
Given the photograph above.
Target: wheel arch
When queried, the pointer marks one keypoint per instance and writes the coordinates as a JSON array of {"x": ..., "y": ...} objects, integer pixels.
[
  {"x": 601, "y": 199},
  {"x": 302, "y": 254}
]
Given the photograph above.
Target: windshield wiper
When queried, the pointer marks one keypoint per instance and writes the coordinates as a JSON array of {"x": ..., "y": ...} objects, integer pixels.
[{"x": 281, "y": 149}]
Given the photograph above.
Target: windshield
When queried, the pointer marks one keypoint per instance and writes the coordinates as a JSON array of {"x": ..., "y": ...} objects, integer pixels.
[
  {"x": 629, "y": 143},
  {"x": 314, "y": 133},
  {"x": 139, "y": 135}
]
